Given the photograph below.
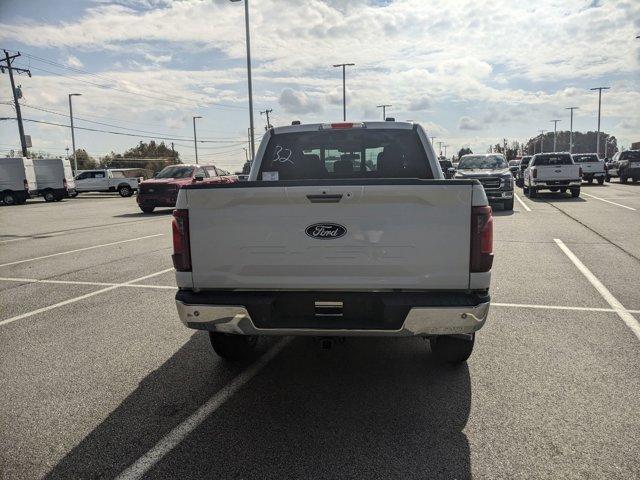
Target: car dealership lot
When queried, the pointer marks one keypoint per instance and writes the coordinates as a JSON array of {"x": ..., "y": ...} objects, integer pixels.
[{"x": 98, "y": 377}]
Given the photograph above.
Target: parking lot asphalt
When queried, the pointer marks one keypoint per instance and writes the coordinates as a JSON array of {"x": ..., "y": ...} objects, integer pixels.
[{"x": 99, "y": 379}]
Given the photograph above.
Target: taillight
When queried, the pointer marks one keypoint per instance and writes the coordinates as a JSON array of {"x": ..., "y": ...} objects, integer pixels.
[
  {"x": 181, "y": 245},
  {"x": 481, "y": 239},
  {"x": 534, "y": 172},
  {"x": 339, "y": 125},
  {"x": 25, "y": 182}
]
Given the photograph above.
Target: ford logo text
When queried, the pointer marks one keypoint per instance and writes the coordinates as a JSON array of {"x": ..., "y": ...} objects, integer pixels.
[{"x": 325, "y": 231}]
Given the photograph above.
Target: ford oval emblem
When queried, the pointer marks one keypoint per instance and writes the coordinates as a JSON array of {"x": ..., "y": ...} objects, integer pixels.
[{"x": 325, "y": 231}]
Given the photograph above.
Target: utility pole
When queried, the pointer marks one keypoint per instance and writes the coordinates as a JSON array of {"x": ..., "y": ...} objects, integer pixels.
[
  {"x": 384, "y": 110},
  {"x": 555, "y": 133},
  {"x": 440, "y": 148},
  {"x": 542, "y": 141},
  {"x": 195, "y": 138},
  {"x": 267, "y": 112},
  {"x": 246, "y": 154},
  {"x": 571, "y": 128},
  {"x": 73, "y": 135},
  {"x": 599, "y": 109},
  {"x": 8, "y": 58},
  {"x": 445, "y": 150},
  {"x": 344, "y": 88},
  {"x": 173, "y": 152}
]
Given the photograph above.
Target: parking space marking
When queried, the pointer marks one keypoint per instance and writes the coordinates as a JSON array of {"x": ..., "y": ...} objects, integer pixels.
[
  {"x": 181, "y": 431},
  {"x": 622, "y": 312},
  {"x": 608, "y": 201},
  {"x": 81, "y": 297},
  {"x": 80, "y": 282},
  {"x": 558, "y": 307},
  {"x": 524, "y": 205},
  {"x": 81, "y": 249}
]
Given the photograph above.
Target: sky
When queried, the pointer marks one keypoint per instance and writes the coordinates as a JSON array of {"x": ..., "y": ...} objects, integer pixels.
[{"x": 471, "y": 72}]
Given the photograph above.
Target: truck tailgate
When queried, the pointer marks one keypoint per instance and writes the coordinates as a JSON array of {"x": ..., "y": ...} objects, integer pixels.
[
  {"x": 592, "y": 167},
  {"x": 557, "y": 172},
  {"x": 409, "y": 235}
]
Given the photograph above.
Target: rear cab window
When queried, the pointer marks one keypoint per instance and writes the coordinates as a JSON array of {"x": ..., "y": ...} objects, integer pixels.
[
  {"x": 345, "y": 153},
  {"x": 552, "y": 160},
  {"x": 633, "y": 155},
  {"x": 585, "y": 158}
]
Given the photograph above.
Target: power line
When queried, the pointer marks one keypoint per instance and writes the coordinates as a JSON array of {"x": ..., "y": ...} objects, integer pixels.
[
  {"x": 187, "y": 101},
  {"x": 154, "y": 137}
]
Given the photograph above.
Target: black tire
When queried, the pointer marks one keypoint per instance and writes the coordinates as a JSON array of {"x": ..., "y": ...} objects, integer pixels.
[
  {"x": 590, "y": 180},
  {"x": 525, "y": 190},
  {"x": 234, "y": 347},
  {"x": 147, "y": 209},
  {"x": 49, "y": 196},
  {"x": 533, "y": 193},
  {"x": 73, "y": 195},
  {"x": 125, "y": 191},
  {"x": 508, "y": 205},
  {"x": 10, "y": 198},
  {"x": 623, "y": 179},
  {"x": 600, "y": 180},
  {"x": 452, "y": 350},
  {"x": 575, "y": 192},
  {"x": 607, "y": 178}
]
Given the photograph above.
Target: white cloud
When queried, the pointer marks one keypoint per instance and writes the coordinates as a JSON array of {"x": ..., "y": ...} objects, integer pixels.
[
  {"x": 468, "y": 123},
  {"x": 73, "y": 61},
  {"x": 298, "y": 102},
  {"x": 421, "y": 103}
]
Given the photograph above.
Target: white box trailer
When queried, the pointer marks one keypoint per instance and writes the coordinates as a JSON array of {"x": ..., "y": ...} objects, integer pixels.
[
  {"x": 17, "y": 180},
  {"x": 55, "y": 178}
]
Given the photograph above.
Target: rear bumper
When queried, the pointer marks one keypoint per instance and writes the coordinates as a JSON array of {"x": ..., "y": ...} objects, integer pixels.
[
  {"x": 401, "y": 314},
  {"x": 557, "y": 183},
  {"x": 147, "y": 200},
  {"x": 588, "y": 175}
]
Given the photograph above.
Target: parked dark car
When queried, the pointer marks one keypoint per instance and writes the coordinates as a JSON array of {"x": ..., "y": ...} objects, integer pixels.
[
  {"x": 514, "y": 167},
  {"x": 524, "y": 163},
  {"x": 492, "y": 170},
  {"x": 447, "y": 168},
  {"x": 624, "y": 165}
]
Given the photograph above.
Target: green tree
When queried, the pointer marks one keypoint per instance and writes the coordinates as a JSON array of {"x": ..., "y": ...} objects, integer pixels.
[
  {"x": 464, "y": 151},
  {"x": 582, "y": 143},
  {"x": 85, "y": 161},
  {"x": 150, "y": 156}
]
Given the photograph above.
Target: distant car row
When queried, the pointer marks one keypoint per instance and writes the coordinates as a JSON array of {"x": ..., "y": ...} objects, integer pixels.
[{"x": 52, "y": 178}]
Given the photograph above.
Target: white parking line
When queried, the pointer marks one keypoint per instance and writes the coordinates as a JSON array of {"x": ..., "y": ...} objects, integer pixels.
[
  {"x": 558, "y": 307},
  {"x": 80, "y": 250},
  {"x": 81, "y": 297},
  {"x": 524, "y": 205},
  {"x": 79, "y": 282},
  {"x": 608, "y": 201},
  {"x": 622, "y": 312},
  {"x": 180, "y": 432}
]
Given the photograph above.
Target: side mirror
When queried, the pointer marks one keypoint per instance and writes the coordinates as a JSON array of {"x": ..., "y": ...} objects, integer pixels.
[{"x": 198, "y": 178}]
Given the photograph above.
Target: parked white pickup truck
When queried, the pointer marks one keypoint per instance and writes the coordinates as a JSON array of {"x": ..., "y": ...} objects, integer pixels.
[
  {"x": 106, "y": 181},
  {"x": 592, "y": 167},
  {"x": 343, "y": 229},
  {"x": 552, "y": 171}
]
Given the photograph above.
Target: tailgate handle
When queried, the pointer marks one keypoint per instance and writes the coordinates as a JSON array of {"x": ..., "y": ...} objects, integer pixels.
[{"x": 325, "y": 198}]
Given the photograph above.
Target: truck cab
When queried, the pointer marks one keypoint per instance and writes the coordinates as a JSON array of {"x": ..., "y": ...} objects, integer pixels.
[{"x": 106, "y": 180}]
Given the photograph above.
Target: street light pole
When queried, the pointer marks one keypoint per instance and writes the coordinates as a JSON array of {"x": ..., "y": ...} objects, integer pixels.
[
  {"x": 571, "y": 129},
  {"x": 73, "y": 136},
  {"x": 599, "y": 109},
  {"x": 542, "y": 141},
  {"x": 344, "y": 88},
  {"x": 555, "y": 133},
  {"x": 384, "y": 110},
  {"x": 250, "y": 88},
  {"x": 195, "y": 138}
]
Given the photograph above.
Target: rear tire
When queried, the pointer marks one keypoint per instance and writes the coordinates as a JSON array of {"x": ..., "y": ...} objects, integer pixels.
[
  {"x": 607, "y": 178},
  {"x": 73, "y": 195},
  {"x": 234, "y": 347},
  {"x": 525, "y": 190},
  {"x": 125, "y": 191},
  {"x": 601, "y": 181},
  {"x": 147, "y": 209},
  {"x": 9, "y": 198},
  {"x": 590, "y": 181},
  {"x": 508, "y": 205},
  {"x": 575, "y": 192},
  {"x": 452, "y": 350},
  {"x": 623, "y": 179},
  {"x": 49, "y": 196},
  {"x": 533, "y": 193}
]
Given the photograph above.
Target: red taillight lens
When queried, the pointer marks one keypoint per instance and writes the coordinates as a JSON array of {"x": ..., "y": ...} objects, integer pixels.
[
  {"x": 181, "y": 245},
  {"x": 25, "y": 182},
  {"x": 534, "y": 172},
  {"x": 481, "y": 257}
]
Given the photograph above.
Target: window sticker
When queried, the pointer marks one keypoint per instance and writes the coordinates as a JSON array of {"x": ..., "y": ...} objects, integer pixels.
[
  {"x": 270, "y": 176},
  {"x": 282, "y": 155}
]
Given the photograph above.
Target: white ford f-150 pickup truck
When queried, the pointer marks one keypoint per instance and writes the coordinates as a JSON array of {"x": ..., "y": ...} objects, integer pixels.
[
  {"x": 342, "y": 229},
  {"x": 552, "y": 171}
]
